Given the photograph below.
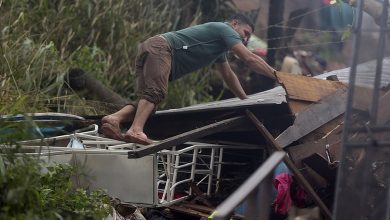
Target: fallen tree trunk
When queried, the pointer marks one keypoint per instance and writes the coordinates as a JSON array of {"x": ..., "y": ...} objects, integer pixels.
[{"x": 92, "y": 89}]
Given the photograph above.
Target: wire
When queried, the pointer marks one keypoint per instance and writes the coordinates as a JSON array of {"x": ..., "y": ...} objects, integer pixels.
[
  {"x": 298, "y": 16},
  {"x": 284, "y": 37},
  {"x": 276, "y": 38},
  {"x": 308, "y": 29},
  {"x": 306, "y": 45}
]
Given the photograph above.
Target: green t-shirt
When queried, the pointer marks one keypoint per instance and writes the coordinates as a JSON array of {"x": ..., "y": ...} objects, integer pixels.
[{"x": 199, "y": 46}]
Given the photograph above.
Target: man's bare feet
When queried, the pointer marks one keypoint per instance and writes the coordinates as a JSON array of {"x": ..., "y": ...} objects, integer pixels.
[
  {"x": 112, "y": 132},
  {"x": 112, "y": 120},
  {"x": 110, "y": 127},
  {"x": 139, "y": 138}
]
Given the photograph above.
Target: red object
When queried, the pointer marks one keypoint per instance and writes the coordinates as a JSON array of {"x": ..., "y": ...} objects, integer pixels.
[
  {"x": 327, "y": 2},
  {"x": 300, "y": 197},
  {"x": 282, "y": 183},
  {"x": 260, "y": 52}
]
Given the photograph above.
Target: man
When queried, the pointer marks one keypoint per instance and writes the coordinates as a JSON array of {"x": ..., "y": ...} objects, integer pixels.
[{"x": 169, "y": 56}]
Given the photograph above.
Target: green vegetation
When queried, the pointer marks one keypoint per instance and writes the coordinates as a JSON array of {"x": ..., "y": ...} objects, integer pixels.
[
  {"x": 28, "y": 193},
  {"x": 32, "y": 189},
  {"x": 41, "y": 40}
]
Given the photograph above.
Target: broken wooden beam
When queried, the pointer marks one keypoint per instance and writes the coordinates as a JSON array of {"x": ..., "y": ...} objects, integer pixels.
[
  {"x": 314, "y": 117},
  {"x": 188, "y": 136},
  {"x": 301, "y": 179},
  {"x": 188, "y": 211}
]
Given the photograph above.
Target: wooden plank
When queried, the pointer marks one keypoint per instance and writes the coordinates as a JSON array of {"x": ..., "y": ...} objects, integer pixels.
[
  {"x": 297, "y": 106},
  {"x": 305, "y": 88},
  {"x": 301, "y": 179},
  {"x": 314, "y": 117},
  {"x": 331, "y": 131},
  {"x": 188, "y": 211},
  {"x": 200, "y": 208},
  {"x": 188, "y": 136}
]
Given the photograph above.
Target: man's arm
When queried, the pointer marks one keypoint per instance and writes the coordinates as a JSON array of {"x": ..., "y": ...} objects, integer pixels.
[
  {"x": 253, "y": 61},
  {"x": 231, "y": 80}
]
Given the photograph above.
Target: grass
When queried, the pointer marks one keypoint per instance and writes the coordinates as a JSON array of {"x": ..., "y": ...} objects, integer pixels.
[{"x": 43, "y": 39}]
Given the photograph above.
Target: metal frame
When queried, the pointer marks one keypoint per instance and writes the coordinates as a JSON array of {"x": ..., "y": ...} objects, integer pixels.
[
  {"x": 200, "y": 163},
  {"x": 357, "y": 177},
  {"x": 255, "y": 190},
  {"x": 172, "y": 164}
]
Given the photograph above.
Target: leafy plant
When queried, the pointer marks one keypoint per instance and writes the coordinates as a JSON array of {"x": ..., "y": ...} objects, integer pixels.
[
  {"x": 42, "y": 40},
  {"x": 28, "y": 193},
  {"x": 31, "y": 189}
]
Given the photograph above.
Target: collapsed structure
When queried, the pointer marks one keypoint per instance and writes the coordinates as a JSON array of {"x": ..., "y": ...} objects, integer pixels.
[{"x": 207, "y": 151}]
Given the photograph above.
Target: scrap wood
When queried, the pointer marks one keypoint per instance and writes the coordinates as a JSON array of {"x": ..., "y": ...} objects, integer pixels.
[
  {"x": 197, "y": 210},
  {"x": 331, "y": 131},
  {"x": 184, "y": 210},
  {"x": 314, "y": 117},
  {"x": 307, "y": 88},
  {"x": 206, "y": 210},
  {"x": 297, "y": 106},
  {"x": 300, "y": 178},
  {"x": 188, "y": 136},
  {"x": 200, "y": 208}
]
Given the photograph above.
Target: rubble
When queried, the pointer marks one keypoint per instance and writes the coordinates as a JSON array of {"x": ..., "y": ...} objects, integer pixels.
[{"x": 223, "y": 141}]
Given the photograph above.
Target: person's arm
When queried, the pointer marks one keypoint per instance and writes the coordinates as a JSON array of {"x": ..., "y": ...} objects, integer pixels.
[
  {"x": 231, "y": 80},
  {"x": 253, "y": 61}
]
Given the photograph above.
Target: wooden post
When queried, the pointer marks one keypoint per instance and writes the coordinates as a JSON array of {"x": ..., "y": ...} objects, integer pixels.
[
  {"x": 188, "y": 136},
  {"x": 301, "y": 179}
]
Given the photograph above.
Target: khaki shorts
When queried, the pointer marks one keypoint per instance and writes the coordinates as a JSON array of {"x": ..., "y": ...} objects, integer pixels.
[{"x": 153, "y": 66}]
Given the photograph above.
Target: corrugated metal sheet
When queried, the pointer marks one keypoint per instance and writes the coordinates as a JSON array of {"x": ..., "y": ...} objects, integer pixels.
[
  {"x": 276, "y": 95},
  {"x": 365, "y": 74}
]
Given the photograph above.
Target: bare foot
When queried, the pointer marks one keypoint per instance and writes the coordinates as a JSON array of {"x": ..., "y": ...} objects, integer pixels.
[
  {"x": 110, "y": 127},
  {"x": 112, "y": 120},
  {"x": 139, "y": 138},
  {"x": 112, "y": 132}
]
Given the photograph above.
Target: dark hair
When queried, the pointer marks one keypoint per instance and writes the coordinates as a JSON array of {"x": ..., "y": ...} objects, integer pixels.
[{"x": 242, "y": 19}]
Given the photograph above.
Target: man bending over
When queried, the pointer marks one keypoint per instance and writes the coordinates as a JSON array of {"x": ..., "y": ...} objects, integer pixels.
[{"x": 171, "y": 55}]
